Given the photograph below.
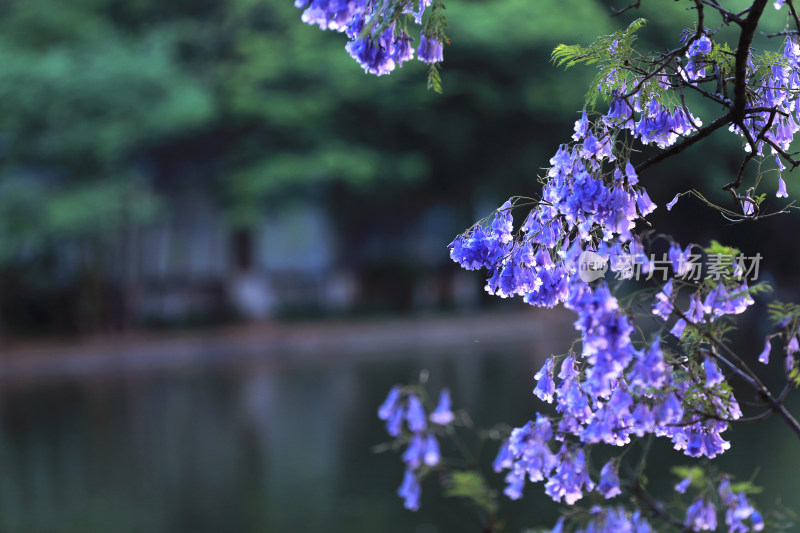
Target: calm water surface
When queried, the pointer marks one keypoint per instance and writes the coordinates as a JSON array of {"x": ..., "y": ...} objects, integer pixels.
[{"x": 267, "y": 447}]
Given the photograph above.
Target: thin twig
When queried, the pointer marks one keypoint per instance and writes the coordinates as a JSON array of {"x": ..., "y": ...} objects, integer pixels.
[
  {"x": 701, "y": 134},
  {"x": 762, "y": 390},
  {"x": 618, "y": 12}
]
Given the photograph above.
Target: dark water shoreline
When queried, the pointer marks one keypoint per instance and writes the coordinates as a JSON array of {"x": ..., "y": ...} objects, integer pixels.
[{"x": 283, "y": 344}]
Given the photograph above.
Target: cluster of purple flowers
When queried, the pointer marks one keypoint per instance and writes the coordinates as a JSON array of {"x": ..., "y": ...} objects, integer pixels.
[
  {"x": 657, "y": 124},
  {"x": 610, "y": 520},
  {"x": 378, "y": 54},
  {"x": 541, "y": 262},
  {"x": 778, "y": 90},
  {"x": 739, "y": 510},
  {"x": 740, "y": 515},
  {"x": 696, "y": 66},
  {"x": 527, "y": 455},
  {"x": 423, "y": 447},
  {"x": 613, "y": 391},
  {"x": 720, "y": 300},
  {"x": 610, "y": 390}
]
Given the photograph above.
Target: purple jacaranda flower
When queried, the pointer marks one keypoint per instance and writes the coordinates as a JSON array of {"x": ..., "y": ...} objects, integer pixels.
[
  {"x": 431, "y": 454},
  {"x": 649, "y": 372},
  {"x": 570, "y": 477},
  {"x": 504, "y": 459},
  {"x": 515, "y": 482},
  {"x": 413, "y": 455},
  {"x": 503, "y": 223},
  {"x": 764, "y": 356},
  {"x": 609, "y": 481},
  {"x": 643, "y": 419},
  {"x": 394, "y": 426},
  {"x": 330, "y": 14},
  {"x": 781, "y": 189},
  {"x": 701, "y": 439},
  {"x": 545, "y": 387},
  {"x": 580, "y": 127},
  {"x": 374, "y": 53},
  {"x": 643, "y": 202},
  {"x": 630, "y": 173},
  {"x": 747, "y": 205},
  {"x": 792, "y": 347},
  {"x": 442, "y": 415},
  {"x": 668, "y": 409},
  {"x": 415, "y": 414},
  {"x": 477, "y": 250},
  {"x": 612, "y": 520},
  {"x": 678, "y": 328},
  {"x": 389, "y": 405},
  {"x": 701, "y": 516},
  {"x": 530, "y": 455},
  {"x": 681, "y": 259},
  {"x": 683, "y": 485},
  {"x": 701, "y": 46},
  {"x": 663, "y": 306},
  {"x": 621, "y": 114},
  {"x": 402, "y": 48},
  {"x": 429, "y": 50},
  {"x": 674, "y": 201},
  {"x": 713, "y": 375},
  {"x": 410, "y": 491}
]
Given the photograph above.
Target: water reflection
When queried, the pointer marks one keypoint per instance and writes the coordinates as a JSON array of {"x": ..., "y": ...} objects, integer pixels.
[{"x": 258, "y": 447}]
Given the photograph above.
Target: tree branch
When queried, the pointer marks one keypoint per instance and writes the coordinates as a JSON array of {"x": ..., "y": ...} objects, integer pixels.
[
  {"x": 701, "y": 134},
  {"x": 727, "y": 16},
  {"x": 617, "y": 12},
  {"x": 794, "y": 14},
  {"x": 762, "y": 389},
  {"x": 748, "y": 26}
]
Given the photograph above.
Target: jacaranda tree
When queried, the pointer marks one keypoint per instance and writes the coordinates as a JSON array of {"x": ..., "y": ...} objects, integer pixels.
[{"x": 654, "y": 359}]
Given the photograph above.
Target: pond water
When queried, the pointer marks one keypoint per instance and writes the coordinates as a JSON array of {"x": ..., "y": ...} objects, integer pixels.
[{"x": 265, "y": 447}]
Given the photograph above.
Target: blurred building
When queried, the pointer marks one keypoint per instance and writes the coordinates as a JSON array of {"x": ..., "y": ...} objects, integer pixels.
[{"x": 192, "y": 267}]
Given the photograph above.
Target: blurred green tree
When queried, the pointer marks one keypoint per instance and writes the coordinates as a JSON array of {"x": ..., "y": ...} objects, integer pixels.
[{"x": 109, "y": 107}]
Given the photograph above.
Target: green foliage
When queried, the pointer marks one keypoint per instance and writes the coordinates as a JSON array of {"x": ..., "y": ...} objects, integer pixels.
[
  {"x": 715, "y": 248},
  {"x": 612, "y": 53},
  {"x": 783, "y": 311},
  {"x": 747, "y": 487},
  {"x": 434, "y": 78},
  {"x": 470, "y": 484},
  {"x": 695, "y": 473}
]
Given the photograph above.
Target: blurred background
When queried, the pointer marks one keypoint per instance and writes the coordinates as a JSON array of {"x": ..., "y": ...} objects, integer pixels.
[{"x": 221, "y": 243}]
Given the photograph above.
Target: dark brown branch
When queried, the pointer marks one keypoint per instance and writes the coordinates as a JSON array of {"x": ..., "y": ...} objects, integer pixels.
[
  {"x": 762, "y": 389},
  {"x": 701, "y": 134},
  {"x": 793, "y": 11},
  {"x": 782, "y": 33},
  {"x": 618, "y": 12},
  {"x": 748, "y": 26},
  {"x": 727, "y": 16},
  {"x": 753, "y": 149}
]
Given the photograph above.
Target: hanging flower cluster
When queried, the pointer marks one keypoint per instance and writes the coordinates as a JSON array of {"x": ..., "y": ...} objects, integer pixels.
[
  {"x": 618, "y": 385},
  {"x": 611, "y": 520},
  {"x": 777, "y": 97},
  {"x": 422, "y": 451},
  {"x": 379, "y": 47}
]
